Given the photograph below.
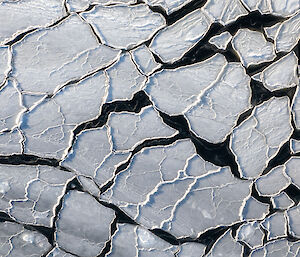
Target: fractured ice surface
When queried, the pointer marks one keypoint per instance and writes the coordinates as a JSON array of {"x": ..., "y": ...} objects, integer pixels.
[
  {"x": 254, "y": 210},
  {"x": 162, "y": 185},
  {"x": 282, "y": 73},
  {"x": 191, "y": 249},
  {"x": 293, "y": 215},
  {"x": 30, "y": 193},
  {"x": 169, "y": 5},
  {"x": 144, "y": 59},
  {"x": 296, "y": 108},
  {"x": 57, "y": 252},
  {"x": 224, "y": 11},
  {"x": 132, "y": 240},
  {"x": 258, "y": 138},
  {"x": 251, "y": 234},
  {"x": 282, "y": 201},
  {"x": 5, "y": 57},
  {"x": 221, "y": 41},
  {"x": 252, "y": 47},
  {"x": 43, "y": 64},
  {"x": 83, "y": 224},
  {"x": 20, "y": 16},
  {"x": 124, "y": 79},
  {"x": 271, "y": 31},
  {"x": 49, "y": 136},
  {"x": 122, "y": 26},
  {"x": 11, "y": 142},
  {"x": 275, "y": 225},
  {"x": 292, "y": 170},
  {"x": 295, "y": 145},
  {"x": 171, "y": 43},
  {"x": 15, "y": 240}
]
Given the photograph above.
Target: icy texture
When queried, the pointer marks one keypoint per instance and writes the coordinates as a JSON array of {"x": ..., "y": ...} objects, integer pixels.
[
  {"x": 275, "y": 225},
  {"x": 281, "y": 74},
  {"x": 169, "y": 199},
  {"x": 273, "y": 183},
  {"x": 49, "y": 136},
  {"x": 4, "y": 62},
  {"x": 258, "y": 138},
  {"x": 83, "y": 232},
  {"x": 293, "y": 215},
  {"x": 144, "y": 60},
  {"x": 295, "y": 145},
  {"x": 20, "y": 16},
  {"x": 288, "y": 34},
  {"x": 254, "y": 210},
  {"x": 221, "y": 41},
  {"x": 251, "y": 234},
  {"x": 174, "y": 41},
  {"x": 296, "y": 108},
  {"x": 191, "y": 249},
  {"x": 271, "y": 31},
  {"x": 292, "y": 170},
  {"x": 252, "y": 47},
  {"x": 16, "y": 241},
  {"x": 170, "y": 6},
  {"x": 56, "y": 252},
  {"x": 226, "y": 246},
  {"x": 11, "y": 142},
  {"x": 132, "y": 240},
  {"x": 224, "y": 11},
  {"x": 43, "y": 54},
  {"x": 30, "y": 193},
  {"x": 282, "y": 201},
  {"x": 124, "y": 79},
  {"x": 124, "y": 26}
]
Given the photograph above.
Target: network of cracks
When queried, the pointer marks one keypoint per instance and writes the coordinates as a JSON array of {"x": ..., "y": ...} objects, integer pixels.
[{"x": 149, "y": 128}]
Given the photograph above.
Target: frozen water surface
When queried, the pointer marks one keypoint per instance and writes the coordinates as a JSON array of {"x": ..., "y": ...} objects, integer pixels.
[
  {"x": 275, "y": 225},
  {"x": 271, "y": 31},
  {"x": 282, "y": 201},
  {"x": 11, "y": 142},
  {"x": 5, "y": 58},
  {"x": 169, "y": 5},
  {"x": 293, "y": 215},
  {"x": 221, "y": 41},
  {"x": 295, "y": 145},
  {"x": 251, "y": 234}
]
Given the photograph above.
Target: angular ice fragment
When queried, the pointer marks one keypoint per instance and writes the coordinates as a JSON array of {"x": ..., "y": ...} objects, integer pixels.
[
  {"x": 124, "y": 79},
  {"x": 293, "y": 215},
  {"x": 272, "y": 31},
  {"x": 282, "y": 201},
  {"x": 296, "y": 108},
  {"x": 221, "y": 41},
  {"x": 132, "y": 240},
  {"x": 292, "y": 170},
  {"x": 282, "y": 73},
  {"x": 20, "y": 16},
  {"x": 49, "y": 135},
  {"x": 31, "y": 100},
  {"x": 130, "y": 129},
  {"x": 226, "y": 246},
  {"x": 57, "y": 252},
  {"x": 15, "y": 240},
  {"x": 191, "y": 249},
  {"x": 47, "y": 59},
  {"x": 273, "y": 183},
  {"x": 169, "y": 6},
  {"x": 174, "y": 41},
  {"x": 5, "y": 57},
  {"x": 255, "y": 141},
  {"x": 173, "y": 91},
  {"x": 30, "y": 193},
  {"x": 288, "y": 34},
  {"x": 89, "y": 185},
  {"x": 11, "y": 106},
  {"x": 254, "y": 210},
  {"x": 83, "y": 225},
  {"x": 275, "y": 225},
  {"x": 284, "y": 7},
  {"x": 11, "y": 142},
  {"x": 295, "y": 145},
  {"x": 252, "y": 47},
  {"x": 224, "y": 11},
  {"x": 251, "y": 234},
  {"x": 217, "y": 110},
  {"x": 124, "y": 27},
  {"x": 144, "y": 59}
]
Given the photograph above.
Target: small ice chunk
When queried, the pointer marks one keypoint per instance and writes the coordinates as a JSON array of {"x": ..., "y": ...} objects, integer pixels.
[
  {"x": 83, "y": 225},
  {"x": 169, "y": 6},
  {"x": 144, "y": 60},
  {"x": 272, "y": 31},
  {"x": 130, "y": 129},
  {"x": 252, "y": 47},
  {"x": 296, "y": 108},
  {"x": 15, "y": 240},
  {"x": 58, "y": 55},
  {"x": 224, "y": 11},
  {"x": 282, "y": 201},
  {"x": 251, "y": 234},
  {"x": 122, "y": 26},
  {"x": 89, "y": 185},
  {"x": 273, "y": 183},
  {"x": 284, "y": 8},
  {"x": 221, "y": 41},
  {"x": 254, "y": 210},
  {"x": 171, "y": 43},
  {"x": 226, "y": 246},
  {"x": 255, "y": 141},
  {"x": 275, "y": 225},
  {"x": 293, "y": 215},
  {"x": 31, "y": 100},
  {"x": 11, "y": 106},
  {"x": 124, "y": 79},
  {"x": 295, "y": 145},
  {"x": 5, "y": 57},
  {"x": 257, "y": 77},
  {"x": 282, "y": 73},
  {"x": 132, "y": 240},
  {"x": 173, "y": 91},
  {"x": 292, "y": 170},
  {"x": 288, "y": 35},
  {"x": 11, "y": 142},
  {"x": 191, "y": 249},
  {"x": 17, "y": 17},
  {"x": 57, "y": 252}
]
